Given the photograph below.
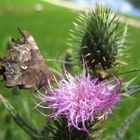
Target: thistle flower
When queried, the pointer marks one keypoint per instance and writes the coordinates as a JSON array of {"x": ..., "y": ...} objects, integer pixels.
[{"x": 81, "y": 99}]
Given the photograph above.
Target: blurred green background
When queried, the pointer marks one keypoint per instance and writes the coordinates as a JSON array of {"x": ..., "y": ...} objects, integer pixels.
[{"x": 50, "y": 26}]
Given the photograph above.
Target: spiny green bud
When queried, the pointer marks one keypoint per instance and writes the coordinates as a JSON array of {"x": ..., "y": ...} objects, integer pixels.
[{"x": 99, "y": 38}]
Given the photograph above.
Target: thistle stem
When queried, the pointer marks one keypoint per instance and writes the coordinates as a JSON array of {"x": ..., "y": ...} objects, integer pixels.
[
  {"x": 33, "y": 133},
  {"x": 121, "y": 131},
  {"x": 129, "y": 71}
]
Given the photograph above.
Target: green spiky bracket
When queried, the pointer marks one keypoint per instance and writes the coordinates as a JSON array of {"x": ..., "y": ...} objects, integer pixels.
[{"x": 99, "y": 37}]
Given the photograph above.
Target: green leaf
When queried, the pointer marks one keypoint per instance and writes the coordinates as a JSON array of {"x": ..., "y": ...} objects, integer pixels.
[{"x": 121, "y": 131}]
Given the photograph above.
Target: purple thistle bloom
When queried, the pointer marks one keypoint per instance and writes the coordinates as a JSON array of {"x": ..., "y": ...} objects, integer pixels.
[{"x": 81, "y": 99}]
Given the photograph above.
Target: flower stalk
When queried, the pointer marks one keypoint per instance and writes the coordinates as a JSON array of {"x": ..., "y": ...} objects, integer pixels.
[{"x": 33, "y": 133}]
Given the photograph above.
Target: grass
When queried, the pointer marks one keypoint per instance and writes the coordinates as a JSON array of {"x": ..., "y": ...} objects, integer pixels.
[{"x": 50, "y": 28}]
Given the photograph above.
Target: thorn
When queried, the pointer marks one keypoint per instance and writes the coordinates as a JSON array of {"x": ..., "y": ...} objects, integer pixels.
[
  {"x": 84, "y": 47},
  {"x": 93, "y": 61},
  {"x": 104, "y": 58},
  {"x": 75, "y": 24},
  {"x": 87, "y": 54}
]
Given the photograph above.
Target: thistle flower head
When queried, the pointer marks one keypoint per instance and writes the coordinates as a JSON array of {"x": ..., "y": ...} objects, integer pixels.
[
  {"x": 81, "y": 99},
  {"x": 99, "y": 37}
]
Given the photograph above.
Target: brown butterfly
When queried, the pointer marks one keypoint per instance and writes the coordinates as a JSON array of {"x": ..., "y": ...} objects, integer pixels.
[{"x": 23, "y": 65}]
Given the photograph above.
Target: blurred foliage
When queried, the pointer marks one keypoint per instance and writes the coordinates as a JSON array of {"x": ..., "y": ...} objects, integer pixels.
[
  {"x": 136, "y": 3},
  {"x": 50, "y": 27}
]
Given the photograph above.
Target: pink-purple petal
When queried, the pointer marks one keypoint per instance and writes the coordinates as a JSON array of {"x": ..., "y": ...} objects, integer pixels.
[{"x": 81, "y": 98}]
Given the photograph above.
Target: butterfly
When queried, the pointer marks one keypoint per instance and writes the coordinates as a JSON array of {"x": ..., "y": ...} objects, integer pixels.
[{"x": 23, "y": 65}]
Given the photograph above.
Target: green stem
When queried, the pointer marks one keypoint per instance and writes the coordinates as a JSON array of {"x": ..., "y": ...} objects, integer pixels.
[
  {"x": 121, "y": 131},
  {"x": 129, "y": 71},
  {"x": 33, "y": 133}
]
